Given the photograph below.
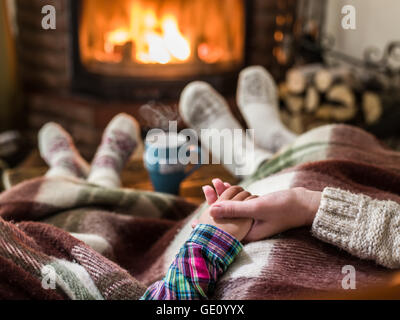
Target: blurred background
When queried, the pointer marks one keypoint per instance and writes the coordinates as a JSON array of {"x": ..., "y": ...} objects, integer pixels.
[{"x": 136, "y": 56}]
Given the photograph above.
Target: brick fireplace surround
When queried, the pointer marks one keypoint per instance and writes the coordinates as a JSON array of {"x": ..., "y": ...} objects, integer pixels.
[{"x": 45, "y": 65}]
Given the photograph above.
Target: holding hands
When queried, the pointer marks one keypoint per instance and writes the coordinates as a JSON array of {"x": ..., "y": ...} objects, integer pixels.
[
  {"x": 252, "y": 218},
  {"x": 237, "y": 227}
]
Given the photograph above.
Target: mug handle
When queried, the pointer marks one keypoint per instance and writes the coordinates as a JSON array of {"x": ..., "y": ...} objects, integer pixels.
[{"x": 197, "y": 150}]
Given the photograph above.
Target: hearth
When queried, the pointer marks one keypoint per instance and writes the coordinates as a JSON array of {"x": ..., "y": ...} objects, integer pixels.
[
  {"x": 149, "y": 49},
  {"x": 107, "y": 57}
]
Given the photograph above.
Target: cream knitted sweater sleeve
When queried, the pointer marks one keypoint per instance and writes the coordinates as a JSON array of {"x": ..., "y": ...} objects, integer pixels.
[{"x": 364, "y": 227}]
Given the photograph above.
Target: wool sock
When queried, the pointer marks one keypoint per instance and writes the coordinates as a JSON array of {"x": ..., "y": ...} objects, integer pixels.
[
  {"x": 205, "y": 111},
  {"x": 58, "y": 150},
  {"x": 257, "y": 98},
  {"x": 120, "y": 139}
]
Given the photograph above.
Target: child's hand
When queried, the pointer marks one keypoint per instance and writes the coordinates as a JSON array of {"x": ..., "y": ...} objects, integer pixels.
[{"x": 238, "y": 228}]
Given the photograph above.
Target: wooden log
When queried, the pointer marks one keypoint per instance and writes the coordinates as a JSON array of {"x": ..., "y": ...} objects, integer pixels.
[
  {"x": 312, "y": 99},
  {"x": 296, "y": 124},
  {"x": 283, "y": 91},
  {"x": 388, "y": 123},
  {"x": 340, "y": 105},
  {"x": 294, "y": 103},
  {"x": 372, "y": 107},
  {"x": 326, "y": 78},
  {"x": 298, "y": 78},
  {"x": 324, "y": 112},
  {"x": 329, "y": 112},
  {"x": 342, "y": 94}
]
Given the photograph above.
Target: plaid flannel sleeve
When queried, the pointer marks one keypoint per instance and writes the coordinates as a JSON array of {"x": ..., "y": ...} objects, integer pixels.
[{"x": 200, "y": 262}]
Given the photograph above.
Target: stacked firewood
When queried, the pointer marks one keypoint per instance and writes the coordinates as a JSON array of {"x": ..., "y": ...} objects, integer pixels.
[{"x": 315, "y": 95}]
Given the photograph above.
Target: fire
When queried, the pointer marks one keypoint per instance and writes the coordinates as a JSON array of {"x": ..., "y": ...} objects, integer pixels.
[
  {"x": 160, "y": 41},
  {"x": 115, "y": 38},
  {"x": 130, "y": 37},
  {"x": 175, "y": 42}
]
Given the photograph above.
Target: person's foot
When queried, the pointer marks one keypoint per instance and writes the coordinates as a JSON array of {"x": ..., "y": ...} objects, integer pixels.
[
  {"x": 256, "y": 85},
  {"x": 202, "y": 107},
  {"x": 59, "y": 152},
  {"x": 120, "y": 140},
  {"x": 207, "y": 112},
  {"x": 257, "y": 99}
]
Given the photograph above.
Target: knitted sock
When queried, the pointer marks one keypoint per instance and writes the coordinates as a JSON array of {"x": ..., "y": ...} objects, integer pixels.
[
  {"x": 258, "y": 102},
  {"x": 204, "y": 110},
  {"x": 58, "y": 150},
  {"x": 119, "y": 141}
]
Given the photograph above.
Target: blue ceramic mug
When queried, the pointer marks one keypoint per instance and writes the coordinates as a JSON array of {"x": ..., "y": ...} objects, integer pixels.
[{"x": 167, "y": 158}]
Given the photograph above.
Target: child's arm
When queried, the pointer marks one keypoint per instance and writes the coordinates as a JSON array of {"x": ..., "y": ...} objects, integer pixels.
[{"x": 202, "y": 260}]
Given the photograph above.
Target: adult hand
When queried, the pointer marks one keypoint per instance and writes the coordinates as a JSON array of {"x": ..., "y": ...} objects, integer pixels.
[
  {"x": 272, "y": 213},
  {"x": 238, "y": 228}
]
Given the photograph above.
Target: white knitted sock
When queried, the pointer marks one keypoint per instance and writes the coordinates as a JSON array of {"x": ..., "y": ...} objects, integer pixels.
[
  {"x": 257, "y": 98},
  {"x": 204, "y": 110},
  {"x": 58, "y": 150},
  {"x": 119, "y": 142}
]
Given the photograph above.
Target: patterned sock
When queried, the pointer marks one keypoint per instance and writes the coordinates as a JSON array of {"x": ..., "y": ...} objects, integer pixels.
[
  {"x": 204, "y": 110},
  {"x": 119, "y": 142},
  {"x": 58, "y": 150},
  {"x": 258, "y": 102}
]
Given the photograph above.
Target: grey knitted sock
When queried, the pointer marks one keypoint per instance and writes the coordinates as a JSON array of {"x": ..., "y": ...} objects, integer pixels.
[
  {"x": 58, "y": 150},
  {"x": 258, "y": 102}
]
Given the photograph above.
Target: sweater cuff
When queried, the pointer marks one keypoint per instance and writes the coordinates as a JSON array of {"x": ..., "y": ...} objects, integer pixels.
[
  {"x": 336, "y": 219},
  {"x": 362, "y": 226},
  {"x": 221, "y": 244}
]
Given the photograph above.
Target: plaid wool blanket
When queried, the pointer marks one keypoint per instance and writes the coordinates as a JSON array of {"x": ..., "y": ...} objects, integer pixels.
[{"x": 113, "y": 243}]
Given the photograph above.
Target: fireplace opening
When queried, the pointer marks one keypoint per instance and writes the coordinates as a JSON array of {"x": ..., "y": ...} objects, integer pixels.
[
  {"x": 140, "y": 48},
  {"x": 131, "y": 37}
]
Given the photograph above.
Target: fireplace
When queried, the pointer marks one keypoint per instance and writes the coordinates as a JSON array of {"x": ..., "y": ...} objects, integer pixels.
[
  {"x": 107, "y": 57},
  {"x": 150, "y": 48},
  {"x": 130, "y": 49},
  {"x": 165, "y": 38}
]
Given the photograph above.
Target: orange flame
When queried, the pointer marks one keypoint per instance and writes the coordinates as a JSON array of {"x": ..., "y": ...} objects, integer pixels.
[
  {"x": 114, "y": 36},
  {"x": 161, "y": 41}
]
